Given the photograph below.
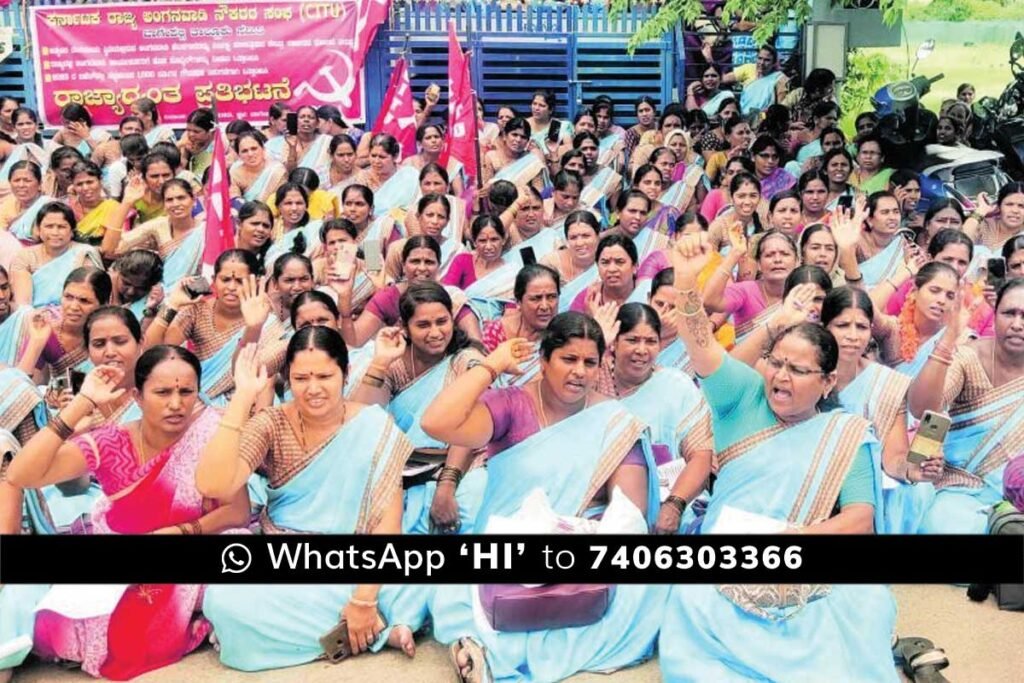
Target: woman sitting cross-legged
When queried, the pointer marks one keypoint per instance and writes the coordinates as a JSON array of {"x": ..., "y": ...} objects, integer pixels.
[
  {"x": 147, "y": 471},
  {"x": 559, "y": 435},
  {"x": 334, "y": 467},
  {"x": 768, "y": 427}
]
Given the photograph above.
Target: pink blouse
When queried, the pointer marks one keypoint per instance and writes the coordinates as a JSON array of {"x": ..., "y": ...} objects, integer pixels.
[
  {"x": 110, "y": 455},
  {"x": 461, "y": 273}
]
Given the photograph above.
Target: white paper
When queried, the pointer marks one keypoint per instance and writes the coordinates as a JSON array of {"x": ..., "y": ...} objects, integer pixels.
[
  {"x": 81, "y": 601},
  {"x": 622, "y": 516},
  {"x": 667, "y": 474},
  {"x": 736, "y": 521}
]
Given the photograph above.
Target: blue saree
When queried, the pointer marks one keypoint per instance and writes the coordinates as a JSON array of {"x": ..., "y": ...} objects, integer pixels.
[
  {"x": 186, "y": 257},
  {"x": 283, "y": 244},
  {"x": 759, "y": 93},
  {"x": 984, "y": 435},
  {"x": 343, "y": 490},
  {"x": 397, "y": 192},
  {"x": 22, "y": 226},
  {"x": 554, "y": 461},
  {"x": 524, "y": 170},
  {"x": 48, "y": 280},
  {"x": 407, "y": 407},
  {"x": 676, "y": 356},
  {"x": 572, "y": 289},
  {"x": 489, "y": 295},
  {"x": 911, "y": 368},
  {"x": 710, "y": 634},
  {"x": 879, "y": 394},
  {"x": 882, "y": 265}
]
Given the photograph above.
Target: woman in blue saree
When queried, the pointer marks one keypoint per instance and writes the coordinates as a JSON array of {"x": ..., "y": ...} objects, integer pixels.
[
  {"x": 905, "y": 341},
  {"x": 294, "y": 230},
  {"x": 881, "y": 252},
  {"x": 879, "y": 394},
  {"x": 982, "y": 386},
  {"x": 38, "y": 272},
  {"x": 536, "y": 294},
  {"x": 543, "y": 436},
  {"x": 576, "y": 263},
  {"x": 768, "y": 427},
  {"x": 46, "y": 342},
  {"x": 213, "y": 326},
  {"x": 662, "y": 215},
  {"x": 662, "y": 298},
  {"x": 769, "y": 85},
  {"x": 513, "y": 160},
  {"x": 19, "y": 210},
  {"x": 667, "y": 401},
  {"x": 254, "y": 177},
  {"x": 412, "y": 364},
  {"x": 22, "y": 413},
  {"x": 335, "y": 467},
  {"x": 433, "y": 216},
  {"x": 154, "y": 131},
  {"x": 177, "y": 236}
]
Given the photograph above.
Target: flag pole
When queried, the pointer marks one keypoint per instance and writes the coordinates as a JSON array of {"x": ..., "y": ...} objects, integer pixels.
[{"x": 477, "y": 119}]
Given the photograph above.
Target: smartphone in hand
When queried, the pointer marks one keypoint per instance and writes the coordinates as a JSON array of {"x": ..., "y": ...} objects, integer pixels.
[
  {"x": 529, "y": 258},
  {"x": 996, "y": 272},
  {"x": 554, "y": 130},
  {"x": 292, "y": 123},
  {"x": 931, "y": 433},
  {"x": 374, "y": 256}
]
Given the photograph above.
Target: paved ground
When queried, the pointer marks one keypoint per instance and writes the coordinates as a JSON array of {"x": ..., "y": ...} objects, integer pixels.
[{"x": 984, "y": 645}]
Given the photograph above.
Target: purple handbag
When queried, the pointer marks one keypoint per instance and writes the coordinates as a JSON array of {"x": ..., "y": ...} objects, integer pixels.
[{"x": 515, "y": 608}]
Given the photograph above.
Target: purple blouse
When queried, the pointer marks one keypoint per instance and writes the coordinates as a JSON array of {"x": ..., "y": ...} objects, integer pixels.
[{"x": 515, "y": 420}]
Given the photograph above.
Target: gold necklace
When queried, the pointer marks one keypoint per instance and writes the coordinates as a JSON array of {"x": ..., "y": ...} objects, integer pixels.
[
  {"x": 302, "y": 425},
  {"x": 540, "y": 405}
]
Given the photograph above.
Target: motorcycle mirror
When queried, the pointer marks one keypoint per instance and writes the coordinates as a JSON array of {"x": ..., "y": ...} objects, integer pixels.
[{"x": 925, "y": 49}]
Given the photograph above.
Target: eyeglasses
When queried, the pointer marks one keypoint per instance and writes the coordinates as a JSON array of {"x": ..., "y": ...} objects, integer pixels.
[{"x": 795, "y": 370}]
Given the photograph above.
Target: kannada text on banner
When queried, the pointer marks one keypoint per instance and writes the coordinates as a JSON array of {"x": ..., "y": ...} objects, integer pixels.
[{"x": 238, "y": 56}]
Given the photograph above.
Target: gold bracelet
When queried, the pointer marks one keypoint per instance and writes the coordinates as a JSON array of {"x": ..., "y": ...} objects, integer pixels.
[
  {"x": 372, "y": 380},
  {"x": 362, "y": 603},
  {"x": 60, "y": 427},
  {"x": 230, "y": 427},
  {"x": 185, "y": 530},
  {"x": 197, "y": 527},
  {"x": 939, "y": 359}
]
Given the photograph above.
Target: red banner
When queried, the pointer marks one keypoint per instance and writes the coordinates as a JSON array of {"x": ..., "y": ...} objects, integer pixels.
[
  {"x": 220, "y": 229},
  {"x": 461, "y": 140},
  {"x": 397, "y": 115},
  {"x": 239, "y": 56}
]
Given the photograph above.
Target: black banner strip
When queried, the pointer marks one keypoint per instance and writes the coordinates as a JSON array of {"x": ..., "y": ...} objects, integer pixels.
[{"x": 511, "y": 559}]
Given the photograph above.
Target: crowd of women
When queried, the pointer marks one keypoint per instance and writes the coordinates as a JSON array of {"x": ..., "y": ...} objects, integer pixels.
[{"x": 723, "y": 322}]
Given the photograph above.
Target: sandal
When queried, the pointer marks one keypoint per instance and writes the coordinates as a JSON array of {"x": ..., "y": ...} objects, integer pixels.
[
  {"x": 920, "y": 660},
  {"x": 479, "y": 671}
]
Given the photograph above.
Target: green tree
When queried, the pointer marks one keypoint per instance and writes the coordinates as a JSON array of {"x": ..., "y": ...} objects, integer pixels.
[
  {"x": 768, "y": 15},
  {"x": 865, "y": 74}
]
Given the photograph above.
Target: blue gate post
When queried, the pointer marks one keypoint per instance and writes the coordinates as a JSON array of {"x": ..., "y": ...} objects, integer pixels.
[{"x": 17, "y": 75}]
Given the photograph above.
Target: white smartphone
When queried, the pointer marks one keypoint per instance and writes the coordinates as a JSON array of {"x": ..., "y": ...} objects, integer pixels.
[{"x": 373, "y": 255}]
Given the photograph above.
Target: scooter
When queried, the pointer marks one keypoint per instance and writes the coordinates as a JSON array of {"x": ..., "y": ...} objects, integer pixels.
[
  {"x": 999, "y": 123},
  {"x": 906, "y": 128}
]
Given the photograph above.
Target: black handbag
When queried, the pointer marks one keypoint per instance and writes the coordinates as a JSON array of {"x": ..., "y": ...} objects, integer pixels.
[{"x": 1002, "y": 521}]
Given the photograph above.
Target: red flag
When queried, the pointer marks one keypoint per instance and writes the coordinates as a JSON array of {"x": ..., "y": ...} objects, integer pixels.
[
  {"x": 220, "y": 229},
  {"x": 461, "y": 138},
  {"x": 372, "y": 13},
  {"x": 397, "y": 116}
]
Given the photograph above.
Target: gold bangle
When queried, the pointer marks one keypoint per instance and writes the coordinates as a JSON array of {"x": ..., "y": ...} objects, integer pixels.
[
  {"x": 197, "y": 527},
  {"x": 230, "y": 427},
  {"x": 60, "y": 427},
  {"x": 185, "y": 530},
  {"x": 372, "y": 381},
  {"x": 940, "y": 359}
]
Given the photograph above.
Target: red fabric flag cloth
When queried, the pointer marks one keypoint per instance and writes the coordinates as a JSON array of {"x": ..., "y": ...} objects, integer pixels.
[
  {"x": 461, "y": 138},
  {"x": 372, "y": 13},
  {"x": 220, "y": 228},
  {"x": 397, "y": 115}
]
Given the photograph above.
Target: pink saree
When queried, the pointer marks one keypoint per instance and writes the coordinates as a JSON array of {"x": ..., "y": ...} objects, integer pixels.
[{"x": 152, "y": 625}]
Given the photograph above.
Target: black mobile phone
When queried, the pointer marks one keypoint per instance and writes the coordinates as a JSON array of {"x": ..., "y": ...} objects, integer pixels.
[
  {"x": 756, "y": 218},
  {"x": 529, "y": 258},
  {"x": 75, "y": 379},
  {"x": 996, "y": 272},
  {"x": 197, "y": 286},
  {"x": 554, "y": 129},
  {"x": 292, "y": 122},
  {"x": 846, "y": 201}
]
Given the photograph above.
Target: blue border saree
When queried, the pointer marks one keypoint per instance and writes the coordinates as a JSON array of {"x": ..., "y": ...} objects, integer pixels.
[
  {"x": 759, "y": 93},
  {"x": 985, "y": 434},
  {"x": 344, "y": 489},
  {"x": 879, "y": 394},
  {"x": 717, "y": 633},
  {"x": 884, "y": 264},
  {"x": 554, "y": 461},
  {"x": 407, "y": 408},
  {"x": 185, "y": 256},
  {"x": 572, "y": 289},
  {"x": 21, "y": 227}
]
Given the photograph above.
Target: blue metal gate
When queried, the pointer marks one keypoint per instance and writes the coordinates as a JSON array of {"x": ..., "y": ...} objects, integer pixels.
[{"x": 576, "y": 51}]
